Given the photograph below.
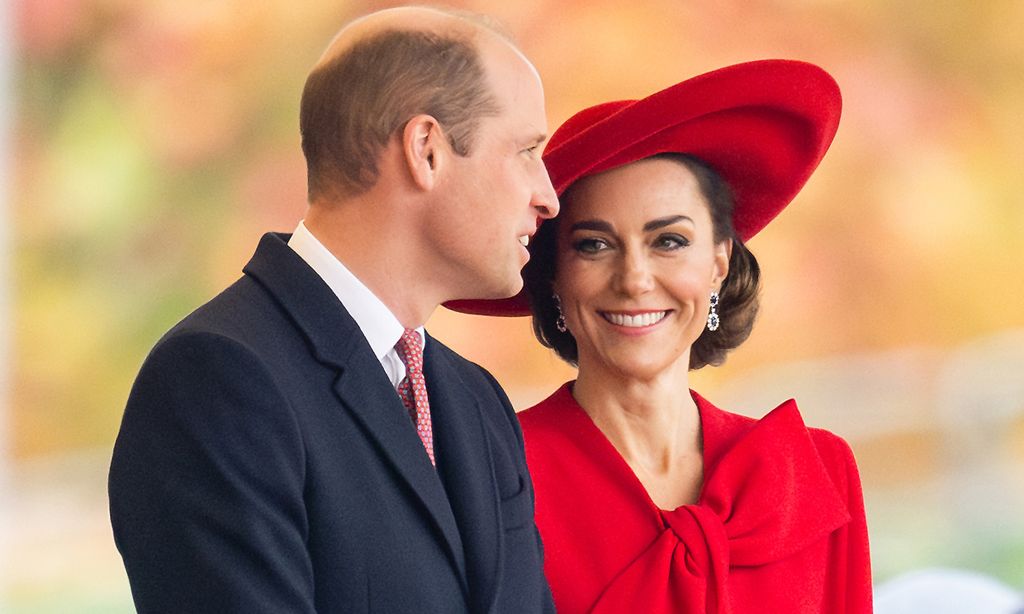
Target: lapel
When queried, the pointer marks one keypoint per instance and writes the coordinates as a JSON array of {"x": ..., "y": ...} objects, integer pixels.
[
  {"x": 361, "y": 385},
  {"x": 467, "y": 465}
]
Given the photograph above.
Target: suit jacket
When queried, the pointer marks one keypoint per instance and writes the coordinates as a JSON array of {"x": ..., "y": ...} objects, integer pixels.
[{"x": 266, "y": 464}]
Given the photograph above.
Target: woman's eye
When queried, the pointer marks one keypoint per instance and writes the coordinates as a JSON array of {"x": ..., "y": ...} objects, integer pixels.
[
  {"x": 670, "y": 242},
  {"x": 590, "y": 246}
]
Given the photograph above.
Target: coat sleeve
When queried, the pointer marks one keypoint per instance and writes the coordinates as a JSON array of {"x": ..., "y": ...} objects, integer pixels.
[
  {"x": 849, "y": 584},
  {"x": 206, "y": 484}
]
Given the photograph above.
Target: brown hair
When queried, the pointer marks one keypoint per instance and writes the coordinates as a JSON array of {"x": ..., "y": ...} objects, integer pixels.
[
  {"x": 353, "y": 103},
  {"x": 738, "y": 296}
]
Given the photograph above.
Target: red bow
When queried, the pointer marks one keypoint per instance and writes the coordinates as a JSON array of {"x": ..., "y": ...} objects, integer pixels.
[{"x": 767, "y": 498}]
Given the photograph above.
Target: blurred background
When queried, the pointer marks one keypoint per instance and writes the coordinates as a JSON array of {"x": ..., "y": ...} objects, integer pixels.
[{"x": 145, "y": 146}]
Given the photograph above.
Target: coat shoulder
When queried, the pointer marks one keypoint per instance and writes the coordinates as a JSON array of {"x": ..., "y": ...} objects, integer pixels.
[{"x": 473, "y": 374}]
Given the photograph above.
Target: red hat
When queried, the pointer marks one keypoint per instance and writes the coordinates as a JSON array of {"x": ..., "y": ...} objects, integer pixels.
[{"x": 763, "y": 126}]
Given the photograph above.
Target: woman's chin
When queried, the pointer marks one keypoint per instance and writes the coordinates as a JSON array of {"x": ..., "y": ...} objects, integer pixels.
[{"x": 641, "y": 366}]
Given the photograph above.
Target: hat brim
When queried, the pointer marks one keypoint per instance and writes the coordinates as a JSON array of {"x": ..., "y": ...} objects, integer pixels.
[{"x": 764, "y": 126}]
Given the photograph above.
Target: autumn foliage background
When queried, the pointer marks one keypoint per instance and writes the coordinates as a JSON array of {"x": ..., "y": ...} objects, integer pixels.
[{"x": 152, "y": 142}]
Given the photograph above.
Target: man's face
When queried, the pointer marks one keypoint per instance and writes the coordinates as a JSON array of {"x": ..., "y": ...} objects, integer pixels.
[{"x": 499, "y": 193}]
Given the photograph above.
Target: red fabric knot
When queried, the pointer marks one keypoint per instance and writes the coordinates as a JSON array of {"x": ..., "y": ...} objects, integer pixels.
[
  {"x": 413, "y": 388},
  {"x": 686, "y": 569},
  {"x": 703, "y": 535},
  {"x": 767, "y": 498}
]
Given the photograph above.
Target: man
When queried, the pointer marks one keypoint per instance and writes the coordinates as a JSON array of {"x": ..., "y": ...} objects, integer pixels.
[{"x": 286, "y": 447}]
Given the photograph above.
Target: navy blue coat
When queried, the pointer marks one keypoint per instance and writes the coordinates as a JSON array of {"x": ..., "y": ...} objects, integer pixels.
[{"x": 266, "y": 464}]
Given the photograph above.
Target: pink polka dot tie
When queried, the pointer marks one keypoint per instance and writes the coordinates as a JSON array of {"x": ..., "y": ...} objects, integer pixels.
[{"x": 413, "y": 389}]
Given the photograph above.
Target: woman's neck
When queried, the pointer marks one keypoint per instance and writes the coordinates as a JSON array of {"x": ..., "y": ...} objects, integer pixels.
[{"x": 653, "y": 423}]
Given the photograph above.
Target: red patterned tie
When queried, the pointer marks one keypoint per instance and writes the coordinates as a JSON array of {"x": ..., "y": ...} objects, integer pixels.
[{"x": 413, "y": 389}]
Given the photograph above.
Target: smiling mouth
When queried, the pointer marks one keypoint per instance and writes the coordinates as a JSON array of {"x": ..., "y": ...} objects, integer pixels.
[
  {"x": 525, "y": 240},
  {"x": 635, "y": 321}
]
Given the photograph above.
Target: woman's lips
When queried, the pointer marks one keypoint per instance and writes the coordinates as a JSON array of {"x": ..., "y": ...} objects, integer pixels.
[{"x": 634, "y": 320}]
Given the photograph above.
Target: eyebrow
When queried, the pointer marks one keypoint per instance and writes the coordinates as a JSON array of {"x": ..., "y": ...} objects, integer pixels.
[
  {"x": 602, "y": 226},
  {"x": 661, "y": 222},
  {"x": 597, "y": 225}
]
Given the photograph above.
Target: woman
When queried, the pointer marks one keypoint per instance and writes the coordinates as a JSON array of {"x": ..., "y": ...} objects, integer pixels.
[{"x": 649, "y": 499}]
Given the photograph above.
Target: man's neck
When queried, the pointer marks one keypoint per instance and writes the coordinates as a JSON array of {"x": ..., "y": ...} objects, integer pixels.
[{"x": 381, "y": 252}]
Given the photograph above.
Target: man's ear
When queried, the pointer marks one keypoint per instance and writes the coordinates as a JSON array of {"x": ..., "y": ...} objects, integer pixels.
[{"x": 424, "y": 148}]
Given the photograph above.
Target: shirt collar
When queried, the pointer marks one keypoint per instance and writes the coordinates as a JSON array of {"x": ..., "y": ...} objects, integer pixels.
[{"x": 377, "y": 323}]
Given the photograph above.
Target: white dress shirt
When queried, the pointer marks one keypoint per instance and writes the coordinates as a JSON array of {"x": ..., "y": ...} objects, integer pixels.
[{"x": 380, "y": 327}]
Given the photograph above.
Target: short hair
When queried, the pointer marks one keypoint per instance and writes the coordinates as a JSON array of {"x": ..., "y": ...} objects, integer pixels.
[
  {"x": 352, "y": 104},
  {"x": 738, "y": 296}
]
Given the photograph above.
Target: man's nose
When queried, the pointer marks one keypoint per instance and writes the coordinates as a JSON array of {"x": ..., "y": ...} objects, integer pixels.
[{"x": 545, "y": 201}]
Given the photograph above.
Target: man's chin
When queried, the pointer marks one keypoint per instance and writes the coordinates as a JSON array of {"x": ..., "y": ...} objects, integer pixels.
[
  {"x": 507, "y": 289},
  {"x": 513, "y": 288}
]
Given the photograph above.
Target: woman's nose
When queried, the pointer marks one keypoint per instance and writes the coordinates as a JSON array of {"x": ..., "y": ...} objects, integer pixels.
[{"x": 634, "y": 275}]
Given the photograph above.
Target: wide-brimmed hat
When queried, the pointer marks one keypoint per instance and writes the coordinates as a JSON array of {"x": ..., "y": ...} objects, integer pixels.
[{"x": 763, "y": 126}]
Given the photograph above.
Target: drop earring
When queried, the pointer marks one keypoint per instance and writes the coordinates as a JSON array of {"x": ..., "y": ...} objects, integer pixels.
[
  {"x": 713, "y": 319},
  {"x": 560, "y": 322}
]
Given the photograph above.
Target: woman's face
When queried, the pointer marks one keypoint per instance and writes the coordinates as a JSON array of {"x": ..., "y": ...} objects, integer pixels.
[{"x": 637, "y": 262}]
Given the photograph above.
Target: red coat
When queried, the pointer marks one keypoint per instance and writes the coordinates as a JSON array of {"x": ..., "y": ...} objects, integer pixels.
[{"x": 779, "y": 526}]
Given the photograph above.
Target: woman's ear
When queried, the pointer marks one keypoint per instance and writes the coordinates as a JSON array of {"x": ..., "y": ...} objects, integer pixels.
[
  {"x": 723, "y": 252},
  {"x": 423, "y": 146}
]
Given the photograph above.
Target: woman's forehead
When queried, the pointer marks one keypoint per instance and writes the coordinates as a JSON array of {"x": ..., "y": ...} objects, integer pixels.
[{"x": 650, "y": 188}]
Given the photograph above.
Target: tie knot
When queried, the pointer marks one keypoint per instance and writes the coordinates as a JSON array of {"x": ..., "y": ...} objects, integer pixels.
[{"x": 410, "y": 350}]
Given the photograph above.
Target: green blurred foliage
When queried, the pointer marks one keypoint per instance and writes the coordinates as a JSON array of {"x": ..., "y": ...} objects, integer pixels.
[{"x": 156, "y": 140}]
